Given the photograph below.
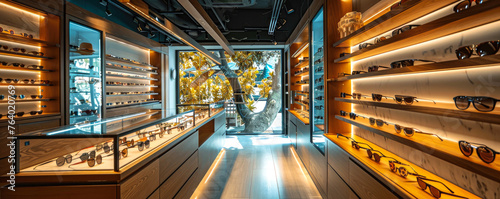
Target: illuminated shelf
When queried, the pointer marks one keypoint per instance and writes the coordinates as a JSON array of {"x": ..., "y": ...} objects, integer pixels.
[
  {"x": 454, "y": 23},
  {"x": 152, "y": 86},
  {"x": 300, "y": 103},
  {"x": 440, "y": 109},
  {"x": 302, "y": 74},
  {"x": 300, "y": 84},
  {"x": 131, "y": 77},
  {"x": 132, "y": 71},
  {"x": 382, "y": 172},
  {"x": 407, "y": 12},
  {"x": 302, "y": 119},
  {"x": 477, "y": 62},
  {"x": 132, "y": 94},
  {"x": 301, "y": 49},
  {"x": 302, "y": 93},
  {"x": 23, "y": 55},
  {"x": 24, "y": 69},
  {"x": 23, "y": 84},
  {"x": 25, "y": 40},
  {"x": 112, "y": 59},
  {"x": 302, "y": 65},
  {"x": 445, "y": 150},
  {"x": 5, "y": 101},
  {"x": 134, "y": 104},
  {"x": 27, "y": 116},
  {"x": 320, "y": 127}
]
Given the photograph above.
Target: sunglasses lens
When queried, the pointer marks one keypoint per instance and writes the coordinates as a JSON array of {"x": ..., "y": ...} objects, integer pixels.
[
  {"x": 60, "y": 161},
  {"x": 140, "y": 146},
  {"x": 461, "y": 102},
  {"x": 484, "y": 104},
  {"x": 125, "y": 153},
  {"x": 409, "y": 132},
  {"x": 92, "y": 154},
  {"x": 392, "y": 166},
  {"x": 98, "y": 159},
  {"x": 399, "y": 100},
  {"x": 461, "y": 6},
  {"x": 408, "y": 100},
  {"x": 84, "y": 156},
  {"x": 369, "y": 153},
  {"x": 487, "y": 48},
  {"x": 98, "y": 147},
  {"x": 147, "y": 144},
  {"x": 106, "y": 149},
  {"x": 421, "y": 183},
  {"x": 377, "y": 157},
  {"x": 397, "y": 128},
  {"x": 372, "y": 121},
  {"x": 91, "y": 162},
  {"x": 403, "y": 172},
  {"x": 486, "y": 154},
  {"x": 380, "y": 122},
  {"x": 69, "y": 159},
  {"x": 435, "y": 192},
  {"x": 465, "y": 148}
]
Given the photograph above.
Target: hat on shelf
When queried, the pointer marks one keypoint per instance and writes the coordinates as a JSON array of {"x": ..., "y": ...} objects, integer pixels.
[{"x": 85, "y": 49}]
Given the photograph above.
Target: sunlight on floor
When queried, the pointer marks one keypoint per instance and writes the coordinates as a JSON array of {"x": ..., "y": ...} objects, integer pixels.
[
  {"x": 269, "y": 140},
  {"x": 232, "y": 143}
]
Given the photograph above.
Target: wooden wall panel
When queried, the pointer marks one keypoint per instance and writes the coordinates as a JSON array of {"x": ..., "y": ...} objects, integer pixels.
[
  {"x": 188, "y": 189},
  {"x": 338, "y": 159},
  {"x": 141, "y": 184},
  {"x": 337, "y": 188}
]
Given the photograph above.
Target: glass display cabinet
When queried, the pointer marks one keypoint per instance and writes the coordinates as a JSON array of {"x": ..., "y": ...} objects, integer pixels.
[
  {"x": 85, "y": 85},
  {"x": 110, "y": 144},
  {"x": 200, "y": 112},
  {"x": 317, "y": 74}
]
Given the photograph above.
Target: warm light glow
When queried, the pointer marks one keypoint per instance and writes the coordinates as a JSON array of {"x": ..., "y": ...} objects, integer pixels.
[
  {"x": 376, "y": 14},
  {"x": 297, "y": 161},
  {"x": 128, "y": 45},
  {"x": 19, "y": 9},
  {"x": 216, "y": 163},
  {"x": 300, "y": 50}
]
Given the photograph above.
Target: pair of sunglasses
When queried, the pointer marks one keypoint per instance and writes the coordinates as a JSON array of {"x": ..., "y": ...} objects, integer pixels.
[
  {"x": 403, "y": 29},
  {"x": 434, "y": 191},
  {"x": 141, "y": 145},
  {"x": 18, "y": 49},
  {"x": 378, "y": 97},
  {"x": 483, "y": 104},
  {"x": 354, "y": 143},
  {"x": 401, "y": 170},
  {"x": 408, "y": 100},
  {"x": 353, "y": 116},
  {"x": 35, "y": 67},
  {"x": 407, "y": 62},
  {"x": 20, "y": 114},
  {"x": 485, "y": 153},
  {"x": 464, "y": 5},
  {"x": 482, "y": 49},
  {"x": 353, "y": 95},
  {"x": 35, "y": 96},
  {"x": 36, "y": 112},
  {"x": 11, "y": 80},
  {"x": 379, "y": 122},
  {"x": 409, "y": 132},
  {"x": 60, "y": 161},
  {"x": 26, "y": 81},
  {"x": 375, "y": 68},
  {"x": 91, "y": 161},
  {"x": 376, "y": 155},
  {"x": 7, "y": 31},
  {"x": 364, "y": 45}
]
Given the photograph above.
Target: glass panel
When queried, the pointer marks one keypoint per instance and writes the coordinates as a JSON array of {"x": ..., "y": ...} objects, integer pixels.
[
  {"x": 317, "y": 72},
  {"x": 85, "y": 85}
]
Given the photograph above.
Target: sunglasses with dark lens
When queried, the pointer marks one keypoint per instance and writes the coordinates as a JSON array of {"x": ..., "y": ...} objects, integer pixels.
[
  {"x": 35, "y": 67},
  {"x": 408, "y": 100},
  {"x": 466, "y": 5},
  {"x": 434, "y": 191},
  {"x": 353, "y": 116},
  {"x": 483, "y": 104},
  {"x": 16, "y": 65},
  {"x": 485, "y": 153},
  {"x": 482, "y": 49},
  {"x": 20, "y": 114},
  {"x": 357, "y": 72},
  {"x": 364, "y": 45},
  {"x": 403, "y": 29},
  {"x": 376, "y": 155},
  {"x": 85, "y": 156},
  {"x": 409, "y": 132},
  {"x": 60, "y": 161},
  {"x": 353, "y": 95},
  {"x": 35, "y": 96},
  {"x": 354, "y": 143},
  {"x": 18, "y": 49},
  {"x": 375, "y": 68},
  {"x": 36, "y": 53},
  {"x": 4, "y": 47},
  {"x": 378, "y": 97},
  {"x": 36, "y": 112},
  {"x": 407, "y": 62},
  {"x": 379, "y": 122},
  {"x": 401, "y": 170}
]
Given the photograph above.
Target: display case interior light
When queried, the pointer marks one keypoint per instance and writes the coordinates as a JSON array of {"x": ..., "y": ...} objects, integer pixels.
[
  {"x": 129, "y": 45},
  {"x": 380, "y": 11},
  {"x": 22, "y": 10},
  {"x": 301, "y": 50}
]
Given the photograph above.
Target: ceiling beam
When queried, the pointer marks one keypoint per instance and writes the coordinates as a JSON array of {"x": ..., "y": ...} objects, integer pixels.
[
  {"x": 173, "y": 30},
  {"x": 194, "y": 8}
]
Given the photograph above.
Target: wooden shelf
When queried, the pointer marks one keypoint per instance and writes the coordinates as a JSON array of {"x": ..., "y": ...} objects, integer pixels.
[
  {"x": 152, "y": 86},
  {"x": 134, "y": 104},
  {"x": 112, "y": 59},
  {"x": 302, "y": 104},
  {"x": 131, "y": 77},
  {"x": 320, "y": 127},
  {"x": 301, "y": 65},
  {"x": 382, "y": 172},
  {"x": 23, "y": 84},
  {"x": 25, "y": 40},
  {"x": 302, "y": 119},
  {"x": 454, "y": 23},
  {"x": 302, "y": 74},
  {"x": 477, "y": 62},
  {"x": 24, "y": 69},
  {"x": 300, "y": 84},
  {"x": 440, "y": 109},
  {"x": 131, "y": 71},
  {"x": 23, "y": 55},
  {"x": 5, "y": 101},
  {"x": 409, "y": 11},
  {"x": 445, "y": 150},
  {"x": 132, "y": 94},
  {"x": 27, "y": 116}
]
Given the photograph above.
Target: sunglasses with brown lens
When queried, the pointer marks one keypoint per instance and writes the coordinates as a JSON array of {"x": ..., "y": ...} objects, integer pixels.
[
  {"x": 353, "y": 95},
  {"x": 483, "y": 104},
  {"x": 422, "y": 182},
  {"x": 401, "y": 170},
  {"x": 411, "y": 131},
  {"x": 378, "y": 97},
  {"x": 379, "y": 122},
  {"x": 485, "y": 153},
  {"x": 355, "y": 144},
  {"x": 408, "y": 100}
]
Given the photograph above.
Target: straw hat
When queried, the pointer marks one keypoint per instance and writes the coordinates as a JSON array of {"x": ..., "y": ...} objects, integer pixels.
[{"x": 85, "y": 49}]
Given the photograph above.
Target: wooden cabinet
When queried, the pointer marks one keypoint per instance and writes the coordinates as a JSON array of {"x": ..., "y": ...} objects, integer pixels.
[
  {"x": 365, "y": 185},
  {"x": 173, "y": 184},
  {"x": 180, "y": 154},
  {"x": 338, "y": 159},
  {"x": 337, "y": 188},
  {"x": 141, "y": 184}
]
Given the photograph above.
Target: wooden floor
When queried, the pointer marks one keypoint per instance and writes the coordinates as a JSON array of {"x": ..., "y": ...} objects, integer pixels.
[{"x": 257, "y": 166}]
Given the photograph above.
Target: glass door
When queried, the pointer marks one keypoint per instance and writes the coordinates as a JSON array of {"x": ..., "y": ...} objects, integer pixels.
[
  {"x": 85, "y": 83},
  {"x": 317, "y": 74}
]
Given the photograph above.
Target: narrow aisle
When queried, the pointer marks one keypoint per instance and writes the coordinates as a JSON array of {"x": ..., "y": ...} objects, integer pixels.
[{"x": 257, "y": 166}]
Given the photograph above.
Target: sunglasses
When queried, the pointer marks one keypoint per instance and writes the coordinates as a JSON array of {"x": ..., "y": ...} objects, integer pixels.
[
  {"x": 4, "y": 47},
  {"x": 60, "y": 161},
  {"x": 375, "y": 155},
  {"x": 18, "y": 49},
  {"x": 364, "y": 45},
  {"x": 483, "y": 104},
  {"x": 379, "y": 39},
  {"x": 35, "y": 67},
  {"x": 36, "y": 112},
  {"x": 401, "y": 170},
  {"x": 141, "y": 145},
  {"x": 379, "y": 122},
  {"x": 408, "y": 100},
  {"x": 85, "y": 156},
  {"x": 409, "y": 132},
  {"x": 375, "y": 68},
  {"x": 16, "y": 65},
  {"x": 403, "y": 29},
  {"x": 36, "y": 53},
  {"x": 354, "y": 143},
  {"x": 378, "y": 97},
  {"x": 353, "y": 95},
  {"x": 35, "y": 96},
  {"x": 351, "y": 115},
  {"x": 482, "y": 49},
  {"x": 485, "y": 153},
  {"x": 396, "y": 5},
  {"x": 434, "y": 191},
  {"x": 407, "y": 62},
  {"x": 20, "y": 114},
  {"x": 466, "y": 5}
]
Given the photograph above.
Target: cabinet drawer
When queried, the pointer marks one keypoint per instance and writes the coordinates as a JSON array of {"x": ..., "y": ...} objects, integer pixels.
[
  {"x": 337, "y": 188},
  {"x": 174, "y": 158},
  {"x": 141, "y": 184},
  {"x": 188, "y": 189},
  {"x": 338, "y": 159},
  {"x": 173, "y": 184},
  {"x": 365, "y": 185}
]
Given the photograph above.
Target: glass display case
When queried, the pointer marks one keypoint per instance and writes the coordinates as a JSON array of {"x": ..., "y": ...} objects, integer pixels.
[
  {"x": 200, "y": 111},
  {"x": 85, "y": 85},
  {"x": 109, "y": 144},
  {"x": 317, "y": 73}
]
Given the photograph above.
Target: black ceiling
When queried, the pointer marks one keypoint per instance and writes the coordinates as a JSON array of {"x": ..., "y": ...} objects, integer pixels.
[{"x": 238, "y": 20}]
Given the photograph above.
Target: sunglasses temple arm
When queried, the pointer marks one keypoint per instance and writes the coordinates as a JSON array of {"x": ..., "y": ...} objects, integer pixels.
[
  {"x": 418, "y": 131},
  {"x": 439, "y": 183},
  {"x": 425, "y": 60},
  {"x": 425, "y": 100}
]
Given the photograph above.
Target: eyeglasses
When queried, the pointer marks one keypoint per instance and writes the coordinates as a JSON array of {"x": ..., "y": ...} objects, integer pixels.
[
  {"x": 485, "y": 153},
  {"x": 482, "y": 49},
  {"x": 402, "y": 171},
  {"x": 36, "y": 53},
  {"x": 18, "y": 49},
  {"x": 16, "y": 65},
  {"x": 35, "y": 67},
  {"x": 379, "y": 122},
  {"x": 375, "y": 68},
  {"x": 394, "y": 6},
  {"x": 408, "y": 100},
  {"x": 375, "y": 154},
  {"x": 36, "y": 112},
  {"x": 483, "y": 104},
  {"x": 409, "y": 132},
  {"x": 466, "y": 5},
  {"x": 64, "y": 159},
  {"x": 141, "y": 145},
  {"x": 353, "y": 95},
  {"x": 403, "y": 29},
  {"x": 378, "y": 97},
  {"x": 434, "y": 191},
  {"x": 407, "y": 62}
]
